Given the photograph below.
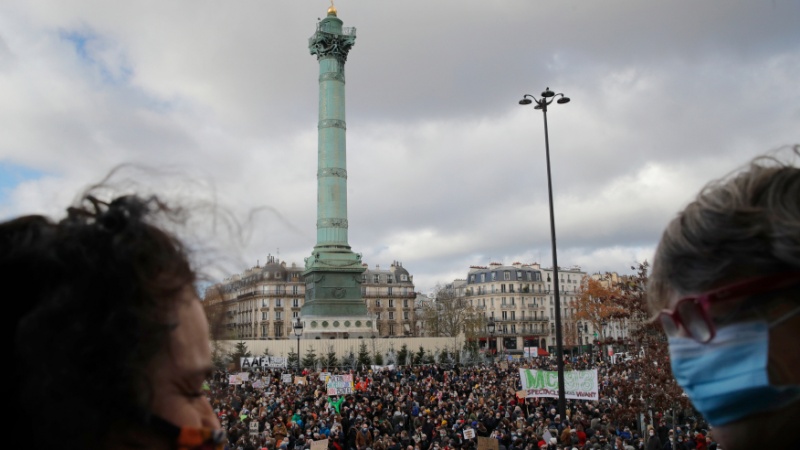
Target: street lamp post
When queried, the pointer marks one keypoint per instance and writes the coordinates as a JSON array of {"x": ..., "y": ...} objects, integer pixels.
[
  {"x": 490, "y": 327},
  {"x": 298, "y": 331},
  {"x": 603, "y": 325},
  {"x": 547, "y": 98}
]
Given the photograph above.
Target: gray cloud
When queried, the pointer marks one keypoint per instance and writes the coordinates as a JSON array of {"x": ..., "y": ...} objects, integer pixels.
[{"x": 445, "y": 169}]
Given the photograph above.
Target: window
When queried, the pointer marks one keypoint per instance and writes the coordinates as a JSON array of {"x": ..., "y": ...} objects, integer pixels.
[
  {"x": 389, "y": 292},
  {"x": 263, "y": 330},
  {"x": 483, "y": 278},
  {"x": 295, "y": 314},
  {"x": 472, "y": 278},
  {"x": 391, "y": 303},
  {"x": 278, "y": 303},
  {"x": 503, "y": 301},
  {"x": 494, "y": 276},
  {"x": 264, "y": 316},
  {"x": 376, "y": 278},
  {"x": 389, "y": 279},
  {"x": 378, "y": 302},
  {"x": 391, "y": 315},
  {"x": 277, "y": 275},
  {"x": 278, "y": 331},
  {"x": 513, "y": 314},
  {"x": 502, "y": 288},
  {"x": 364, "y": 278},
  {"x": 391, "y": 329},
  {"x": 378, "y": 317},
  {"x": 506, "y": 275},
  {"x": 519, "y": 274},
  {"x": 296, "y": 303},
  {"x": 295, "y": 290},
  {"x": 512, "y": 301},
  {"x": 405, "y": 303},
  {"x": 403, "y": 277},
  {"x": 278, "y": 316},
  {"x": 405, "y": 315},
  {"x": 264, "y": 303},
  {"x": 505, "y": 315}
]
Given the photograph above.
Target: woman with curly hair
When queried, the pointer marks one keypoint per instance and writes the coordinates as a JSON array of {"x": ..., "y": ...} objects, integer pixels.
[{"x": 114, "y": 342}]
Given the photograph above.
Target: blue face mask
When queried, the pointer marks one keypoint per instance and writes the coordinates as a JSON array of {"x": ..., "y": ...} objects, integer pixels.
[{"x": 727, "y": 378}]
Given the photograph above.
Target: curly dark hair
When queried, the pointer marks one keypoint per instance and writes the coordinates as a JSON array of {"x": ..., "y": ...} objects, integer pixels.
[{"x": 100, "y": 285}]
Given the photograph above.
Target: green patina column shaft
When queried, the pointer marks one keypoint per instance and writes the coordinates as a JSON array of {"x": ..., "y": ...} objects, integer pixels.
[{"x": 333, "y": 272}]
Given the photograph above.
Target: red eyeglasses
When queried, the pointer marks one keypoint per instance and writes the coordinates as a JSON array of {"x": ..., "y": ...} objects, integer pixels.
[{"x": 691, "y": 313}]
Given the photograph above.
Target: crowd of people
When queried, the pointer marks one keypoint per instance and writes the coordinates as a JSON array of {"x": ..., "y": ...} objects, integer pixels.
[
  {"x": 429, "y": 408},
  {"x": 112, "y": 351}
]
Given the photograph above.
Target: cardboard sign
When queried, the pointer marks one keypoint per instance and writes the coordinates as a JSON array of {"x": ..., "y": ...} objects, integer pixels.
[
  {"x": 254, "y": 428},
  {"x": 319, "y": 445},
  {"x": 469, "y": 433},
  {"x": 286, "y": 378},
  {"x": 263, "y": 362},
  {"x": 504, "y": 365},
  {"x": 485, "y": 443},
  {"x": 340, "y": 385},
  {"x": 521, "y": 394},
  {"x": 300, "y": 380}
]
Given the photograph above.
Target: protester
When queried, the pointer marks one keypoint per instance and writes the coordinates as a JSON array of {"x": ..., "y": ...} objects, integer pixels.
[
  {"x": 113, "y": 351},
  {"x": 726, "y": 283}
]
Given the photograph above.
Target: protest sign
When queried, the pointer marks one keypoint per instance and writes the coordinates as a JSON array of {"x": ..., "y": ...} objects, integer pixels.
[
  {"x": 340, "y": 385},
  {"x": 469, "y": 433},
  {"x": 486, "y": 443},
  {"x": 262, "y": 362},
  {"x": 319, "y": 445},
  {"x": 286, "y": 378},
  {"x": 323, "y": 376},
  {"x": 300, "y": 380},
  {"x": 234, "y": 379},
  {"x": 504, "y": 365},
  {"x": 254, "y": 428},
  {"x": 578, "y": 384}
]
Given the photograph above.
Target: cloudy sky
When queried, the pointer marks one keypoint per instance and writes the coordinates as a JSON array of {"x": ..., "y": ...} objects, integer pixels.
[{"x": 445, "y": 168}]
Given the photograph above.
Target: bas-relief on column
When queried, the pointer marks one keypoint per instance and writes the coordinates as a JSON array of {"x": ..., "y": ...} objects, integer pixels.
[{"x": 333, "y": 304}]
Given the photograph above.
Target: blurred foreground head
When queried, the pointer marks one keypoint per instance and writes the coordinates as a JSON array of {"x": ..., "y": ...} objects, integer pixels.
[
  {"x": 112, "y": 349},
  {"x": 726, "y": 288}
]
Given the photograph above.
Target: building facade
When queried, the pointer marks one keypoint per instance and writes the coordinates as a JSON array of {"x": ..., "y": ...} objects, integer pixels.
[
  {"x": 263, "y": 302},
  {"x": 390, "y": 298},
  {"x": 515, "y": 298}
]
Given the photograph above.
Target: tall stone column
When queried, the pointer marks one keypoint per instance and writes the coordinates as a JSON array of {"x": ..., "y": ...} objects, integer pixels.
[{"x": 333, "y": 303}]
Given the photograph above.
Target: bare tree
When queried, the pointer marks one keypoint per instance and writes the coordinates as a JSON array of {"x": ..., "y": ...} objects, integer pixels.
[{"x": 449, "y": 315}]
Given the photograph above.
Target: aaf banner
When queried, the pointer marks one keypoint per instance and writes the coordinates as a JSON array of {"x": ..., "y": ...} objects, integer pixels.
[
  {"x": 340, "y": 384},
  {"x": 578, "y": 384},
  {"x": 262, "y": 362}
]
